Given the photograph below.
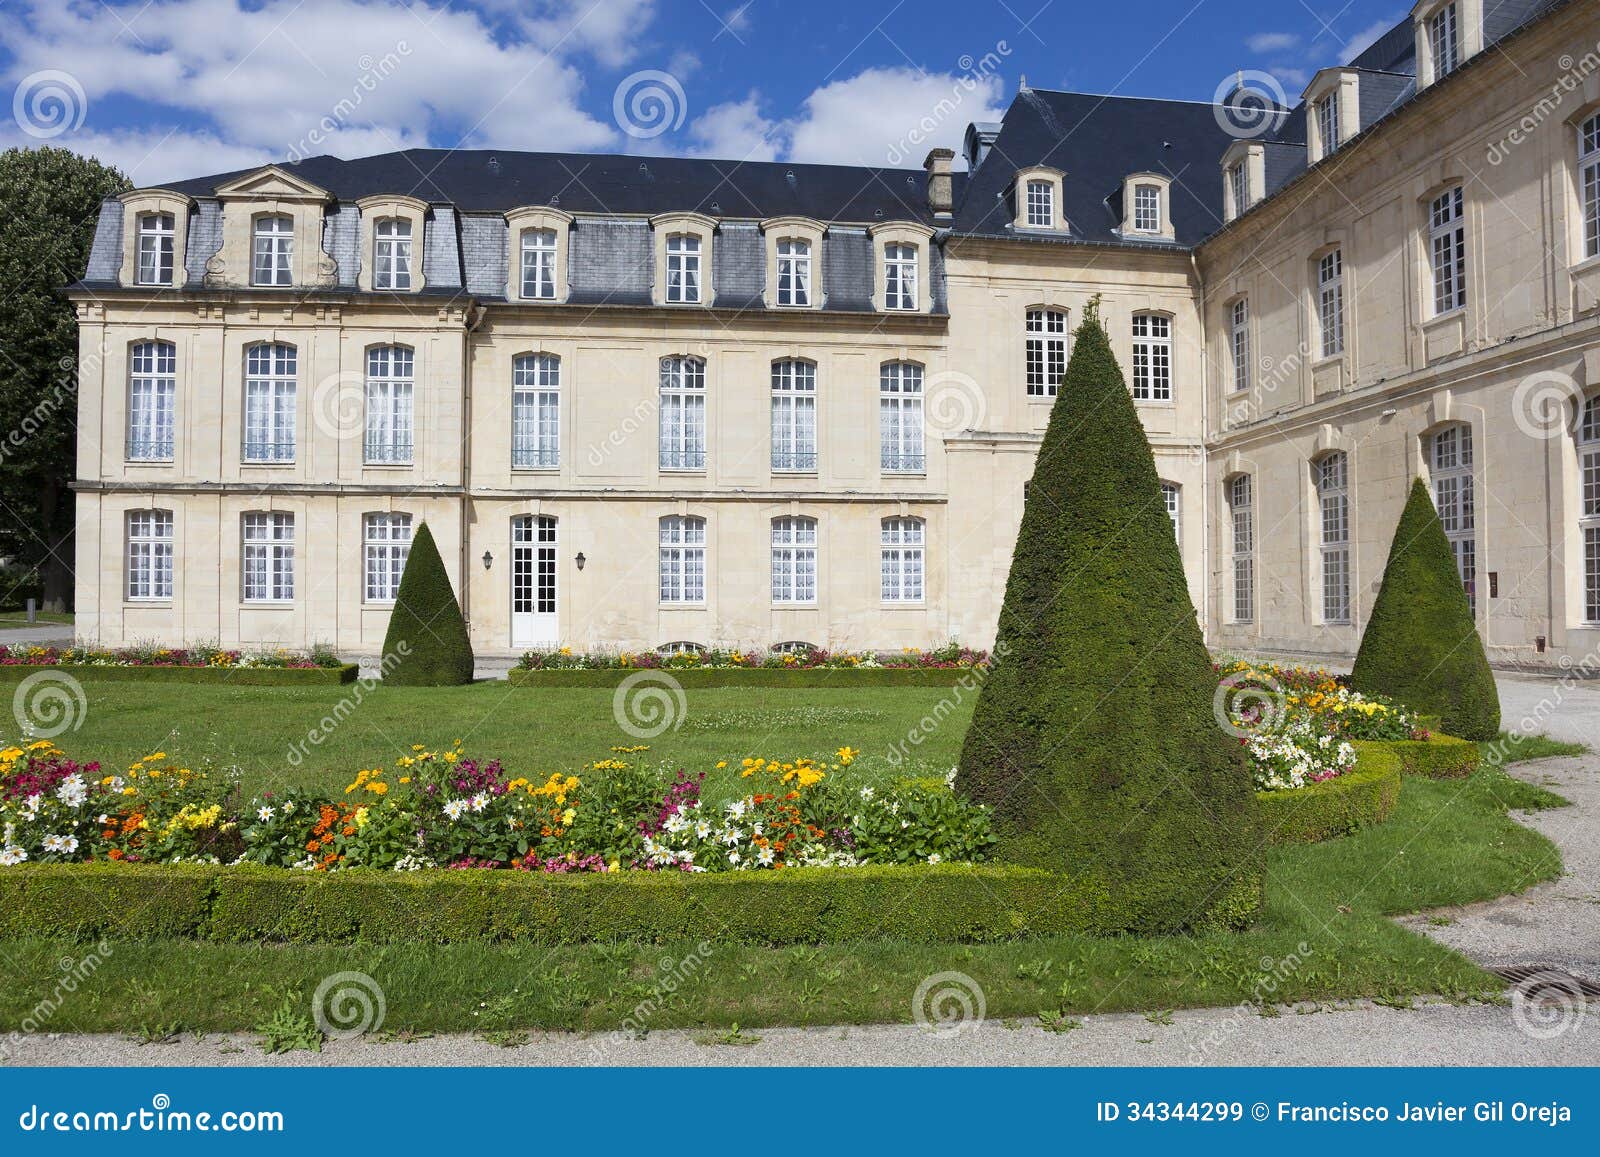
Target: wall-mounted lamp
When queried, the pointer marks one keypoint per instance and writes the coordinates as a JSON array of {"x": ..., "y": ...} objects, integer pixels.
[
  {"x": 488, "y": 559},
  {"x": 580, "y": 560}
]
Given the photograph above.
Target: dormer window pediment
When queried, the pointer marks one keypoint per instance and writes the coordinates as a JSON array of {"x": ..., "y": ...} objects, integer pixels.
[
  {"x": 683, "y": 258},
  {"x": 155, "y": 228},
  {"x": 1244, "y": 177},
  {"x": 392, "y": 235},
  {"x": 295, "y": 207},
  {"x": 1037, "y": 197},
  {"x": 1333, "y": 111},
  {"x": 539, "y": 240},
  {"x": 1147, "y": 207},
  {"x": 1448, "y": 34},
  {"x": 793, "y": 247}
]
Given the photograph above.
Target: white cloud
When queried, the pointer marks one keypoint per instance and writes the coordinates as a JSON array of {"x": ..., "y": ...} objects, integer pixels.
[
  {"x": 737, "y": 20},
  {"x": 735, "y": 131},
  {"x": 1292, "y": 78},
  {"x": 1272, "y": 41},
  {"x": 606, "y": 29},
  {"x": 1365, "y": 39},
  {"x": 890, "y": 116}
]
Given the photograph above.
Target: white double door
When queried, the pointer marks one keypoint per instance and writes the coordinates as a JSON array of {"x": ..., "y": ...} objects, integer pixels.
[{"x": 533, "y": 581}]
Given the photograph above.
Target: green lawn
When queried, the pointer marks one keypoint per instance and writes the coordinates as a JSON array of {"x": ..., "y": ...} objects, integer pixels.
[
  {"x": 19, "y": 618},
  {"x": 533, "y": 731}
]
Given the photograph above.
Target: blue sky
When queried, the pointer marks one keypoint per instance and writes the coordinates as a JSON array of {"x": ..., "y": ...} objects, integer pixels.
[{"x": 174, "y": 88}]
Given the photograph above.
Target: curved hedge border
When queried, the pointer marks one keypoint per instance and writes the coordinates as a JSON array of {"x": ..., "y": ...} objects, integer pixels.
[
  {"x": 1439, "y": 757},
  {"x": 242, "y": 676},
  {"x": 689, "y": 677},
  {"x": 944, "y": 903},
  {"x": 1335, "y": 807}
]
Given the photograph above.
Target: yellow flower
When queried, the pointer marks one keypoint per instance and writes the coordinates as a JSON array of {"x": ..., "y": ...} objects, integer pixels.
[{"x": 847, "y": 755}]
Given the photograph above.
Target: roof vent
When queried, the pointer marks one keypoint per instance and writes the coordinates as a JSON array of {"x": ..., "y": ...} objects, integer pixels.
[
  {"x": 494, "y": 165},
  {"x": 643, "y": 168},
  {"x": 789, "y": 176},
  {"x": 716, "y": 206},
  {"x": 980, "y": 138},
  {"x": 556, "y": 200},
  {"x": 877, "y": 213}
]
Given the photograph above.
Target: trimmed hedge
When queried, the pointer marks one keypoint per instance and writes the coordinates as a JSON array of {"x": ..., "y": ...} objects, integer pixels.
[
  {"x": 241, "y": 676},
  {"x": 689, "y": 677},
  {"x": 943, "y": 903},
  {"x": 1335, "y": 807},
  {"x": 427, "y": 644},
  {"x": 1439, "y": 757}
]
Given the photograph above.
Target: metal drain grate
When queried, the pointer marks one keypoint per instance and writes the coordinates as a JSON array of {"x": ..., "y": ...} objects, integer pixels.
[{"x": 1547, "y": 977}]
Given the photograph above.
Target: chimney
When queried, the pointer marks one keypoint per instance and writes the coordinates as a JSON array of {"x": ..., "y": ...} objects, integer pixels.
[{"x": 941, "y": 196}]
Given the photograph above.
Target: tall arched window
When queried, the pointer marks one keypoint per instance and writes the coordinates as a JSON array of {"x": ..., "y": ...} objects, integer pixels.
[
  {"x": 1152, "y": 357},
  {"x": 903, "y": 546},
  {"x": 900, "y": 418},
  {"x": 1171, "y": 498},
  {"x": 536, "y": 412},
  {"x": 539, "y": 263},
  {"x": 155, "y": 249},
  {"x": 794, "y": 560},
  {"x": 1046, "y": 351},
  {"x": 1450, "y": 465},
  {"x": 1239, "y": 343},
  {"x": 391, "y": 383},
  {"x": 391, "y": 254},
  {"x": 794, "y": 271},
  {"x": 683, "y": 268},
  {"x": 1589, "y": 183},
  {"x": 152, "y": 388},
  {"x": 794, "y": 416},
  {"x": 269, "y": 403},
  {"x": 1589, "y": 507},
  {"x": 683, "y": 559},
  {"x": 272, "y": 252},
  {"x": 683, "y": 414},
  {"x": 1242, "y": 514},
  {"x": 1333, "y": 500}
]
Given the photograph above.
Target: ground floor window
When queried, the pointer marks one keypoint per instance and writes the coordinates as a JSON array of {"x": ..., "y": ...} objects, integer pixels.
[
  {"x": 902, "y": 558},
  {"x": 268, "y": 558},
  {"x": 387, "y": 543},
  {"x": 683, "y": 559},
  {"x": 150, "y": 554},
  {"x": 794, "y": 560}
]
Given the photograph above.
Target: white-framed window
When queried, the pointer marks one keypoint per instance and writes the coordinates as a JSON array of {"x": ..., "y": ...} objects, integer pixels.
[
  {"x": 1239, "y": 343},
  {"x": 794, "y": 560},
  {"x": 1333, "y": 499},
  {"x": 391, "y": 254},
  {"x": 1589, "y": 505},
  {"x": 155, "y": 248},
  {"x": 386, "y": 541},
  {"x": 1242, "y": 514},
  {"x": 268, "y": 569},
  {"x": 683, "y": 559},
  {"x": 1589, "y": 183},
  {"x": 794, "y": 415},
  {"x": 1041, "y": 206},
  {"x": 1239, "y": 186},
  {"x": 1152, "y": 357},
  {"x": 794, "y": 271},
  {"x": 1447, "y": 250},
  {"x": 149, "y": 534},
  {"x": 1450, "y": 465},
  {"x": 1444, "y": 41},
  {"x": 272, "y": 255},
  {"x": 1330, "y": 302},
  {"x": 900, "y": 449},
  {"x": 904, "y": 542},
  {"x": 900, "y": 276},
  {"x": 152, "y": 389},
  {"x": 1172, "y": 499},
  {"x": 391, "y": 387},
  {"x": 1046, "y": 351},
  {"x": 539, "y": 263},
  {"x": 683, "y": 268},
  {"x": 683, "y": 413},
  {"x": 1147, "y": 208},
  {"x": 1328, "y": 122},
  {"x": 269, "y": 403},
  {"x": 536, "y": 412}
]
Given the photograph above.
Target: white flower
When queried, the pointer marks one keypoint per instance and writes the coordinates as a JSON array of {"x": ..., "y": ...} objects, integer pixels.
[
  {"x": 702, "y": 830},
  {"x": 455, "y": 809},
  {"x": 867, "y": 793},
  {"x": 11, "y": 855},
  {"x": 264, "y": 814},
  {"x": 950, "y": 778},
  {"x": 904, "y": 824},
  {"x": 73, "y": 791},
  {"x": 733, "y": 857},
  {"x": 731, "y": 836},
  {"x": 934, "y": 858},
  {"x": 736, "y": 809},
  {"x": 755, "y": 830},
  {"x": 764, "y": 857},
  {"x": 288, "y": 807},
  {"x": 32, "y": 803},
  {"x": 479, "y": 802},
  {"x": 61, "y": 845}
]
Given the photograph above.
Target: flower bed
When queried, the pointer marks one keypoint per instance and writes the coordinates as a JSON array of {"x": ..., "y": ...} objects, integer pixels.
[
  {"x": 952, "y": 657},
  {"x": 708, "y": 677},
  {"x": 1359, "y": 798},
  {"x": 182, "y": 664}
]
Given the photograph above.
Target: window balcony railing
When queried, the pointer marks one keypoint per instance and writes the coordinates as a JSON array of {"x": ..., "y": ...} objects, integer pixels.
[
  {"x": 799, "y": 461},
  {"x": 683, "y": 459},
  {"x": 150, "y": 449},
  {"x": 530, "y": 456},
  {"x": 904, "y": 463},
  {"x": 388, "y": 452},
  {"x": 269, "y": 451}
]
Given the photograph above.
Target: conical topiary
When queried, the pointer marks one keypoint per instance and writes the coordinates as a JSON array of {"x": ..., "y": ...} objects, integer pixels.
[
  {"x": 1094, "y": 737},
  {"x": 1421, "y": 646},
  {"x": 427, "y": 644}
]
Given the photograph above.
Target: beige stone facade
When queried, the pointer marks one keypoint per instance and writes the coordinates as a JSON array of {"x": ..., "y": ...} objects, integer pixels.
[{"x": 543, "y": 437}]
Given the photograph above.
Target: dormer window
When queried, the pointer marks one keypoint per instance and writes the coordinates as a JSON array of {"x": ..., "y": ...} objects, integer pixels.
[
  {"x": 392, "y": 254},
  {"x": 156, "y": 232},
  {"x": 683, "y": 269},
  {"x": 1239, "y": 187},
  {"x": 794, "y": 271},
  {"x": 1328, "y": 122},
  {"x": 1447, "y": 34},
  {"x": 1244, "y": 177},
  {"x": 900, "y": 276},
  {"x": 1444, "y": 41},
  {"x": 1041, "y": 205},
  {"x": 1147, "y": 208},
  {"x": 272, "y": 259},
  {"x": 539, "y": 264}
]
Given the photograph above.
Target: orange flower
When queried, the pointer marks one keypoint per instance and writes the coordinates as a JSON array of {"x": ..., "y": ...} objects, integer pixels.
[{"x": 114, "y": 854}]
